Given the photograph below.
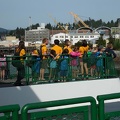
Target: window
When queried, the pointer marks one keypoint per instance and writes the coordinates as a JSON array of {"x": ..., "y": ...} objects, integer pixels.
[
  {"x": 91, "y": 36},
  {"x": 76, "y": 36},
  {"x": 81, "y": 36},
  {"x": 56, "y": 36},
  {"x": 87, "y": 36},
  {"x": 66, "y": 36},
  {"x": 61, "y": 36}
]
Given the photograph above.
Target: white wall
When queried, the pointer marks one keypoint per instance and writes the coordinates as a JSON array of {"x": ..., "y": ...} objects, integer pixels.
[
  {"x": 49, "y": 92},
  {"x": 74, "y": 39}
]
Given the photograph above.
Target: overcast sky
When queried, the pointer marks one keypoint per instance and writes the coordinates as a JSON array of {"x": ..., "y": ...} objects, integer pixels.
[{"x": 16, "y": 13}]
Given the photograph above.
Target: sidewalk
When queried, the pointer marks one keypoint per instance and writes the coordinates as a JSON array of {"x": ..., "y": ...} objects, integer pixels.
[{"x": 9, "y": 82}]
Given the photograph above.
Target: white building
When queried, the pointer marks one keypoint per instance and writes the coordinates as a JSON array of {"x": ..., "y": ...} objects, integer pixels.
[
  {"x": 37, "y": 34},
  {"x": 75, "y": 37},
  {"x": 115, "y": 31},
  {"x": 116, "y": 36}
]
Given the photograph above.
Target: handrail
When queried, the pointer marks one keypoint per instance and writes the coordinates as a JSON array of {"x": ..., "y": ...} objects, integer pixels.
[
  {"x": 101, "y": 99},
  {"x": 100, "y": 115},
  {"x": 11, "y": 108},
  {"x": 57, "y": 103},
  {"x": 107, "y": 70}
]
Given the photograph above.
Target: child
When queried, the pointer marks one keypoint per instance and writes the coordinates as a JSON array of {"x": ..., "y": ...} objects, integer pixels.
[
  {"x": 64, "y": 64},
  {"x": 94, "y": 60},
  {"x": 2, "y": 66},
  {"x": 99, "y": 64},
  {"x": 53, "y": 64},
  {"x": 91, "y": 60},
  {"x": 35, "y": 63},
  {"x": 74, "y": 62}
]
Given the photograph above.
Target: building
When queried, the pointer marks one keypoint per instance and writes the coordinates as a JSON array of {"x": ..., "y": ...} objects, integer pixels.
[
  {"x": 75, "y": 37},
  {"x": 115, "y": 31},
  {"x": 37, "y": 34}
]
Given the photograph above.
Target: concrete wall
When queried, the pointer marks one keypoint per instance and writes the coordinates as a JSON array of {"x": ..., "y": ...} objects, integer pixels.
[{"x": 49, "y": 92}]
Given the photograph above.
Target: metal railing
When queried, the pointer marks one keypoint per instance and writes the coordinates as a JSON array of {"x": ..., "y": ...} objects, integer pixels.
[
  {"x": 67, "y": 109},
  {"x": 61, "y": 113},
  {"x": 101, "y": 107},
  {"x": 9, "y": 112},
  {"x": 99, "y": 68}
]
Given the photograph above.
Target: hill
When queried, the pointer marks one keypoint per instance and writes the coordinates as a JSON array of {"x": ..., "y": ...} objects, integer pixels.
[{"x": 3, "y": 30}]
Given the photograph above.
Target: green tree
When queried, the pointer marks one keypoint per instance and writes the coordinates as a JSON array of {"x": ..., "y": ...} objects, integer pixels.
[
  {"x": 12, "y": 32},
  {"x": 116, "y": 44},
  {"x": 78, "y": 44},
  {"x": 111, "y": 39},
  {"x": 101, "y": 41},
  {"x": 49, "y": 26}
]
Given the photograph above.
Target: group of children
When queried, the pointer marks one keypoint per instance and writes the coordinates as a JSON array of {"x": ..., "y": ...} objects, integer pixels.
[
  {"x": 60, "y": 65},
  {"x": 70, "y": 62},
  {"x": 100, "y": 60}
]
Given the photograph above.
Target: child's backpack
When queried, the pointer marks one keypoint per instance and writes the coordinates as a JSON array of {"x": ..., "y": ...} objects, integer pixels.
[
  {"x": 64, "y": 63},
  {"x": 99, "y": 59},
  {"x": 92, "y": 59},
  {"x": 33, "y": 58},
  {"x": 2, "y": 62},
  {"x": 36, "y": 65},
  {"x": 16, "y": 59},
  {"x": 53, "y": 64},
  {"x": 74, "y": 62},
  {"x": 30, "y": 61},
  {"x": 85, "y": 57}
]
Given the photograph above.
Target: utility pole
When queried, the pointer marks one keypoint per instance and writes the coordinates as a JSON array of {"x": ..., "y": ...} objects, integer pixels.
[
  {"x": 119, "y": 27},
  {"x": 30, "y": 25}
]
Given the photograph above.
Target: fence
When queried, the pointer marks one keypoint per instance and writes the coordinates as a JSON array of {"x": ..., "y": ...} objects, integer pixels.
[
  {"x": 9, "y": 112},
  {"x": 68, "y": 109},
  {"x": 63, "y": 69},
  {"x": 59, "y": 114},
  {"x": 115, "y": 115}
]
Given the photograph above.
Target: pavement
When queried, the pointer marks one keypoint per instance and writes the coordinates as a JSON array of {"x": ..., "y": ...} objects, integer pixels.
[{"x": 9, "y": 82}]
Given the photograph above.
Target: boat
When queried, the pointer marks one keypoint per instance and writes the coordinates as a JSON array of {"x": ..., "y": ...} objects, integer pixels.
[{"x": 36, "y": 92}]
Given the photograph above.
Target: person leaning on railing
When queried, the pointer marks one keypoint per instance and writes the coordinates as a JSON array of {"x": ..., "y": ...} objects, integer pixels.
[
  {"x": 57, "y": 48},
  {"x": 35, "y": 63},
  {"x": 68, "y": 46},
  {"x": 74, "y": 62},
  {"x": 3, "y": 65},
  {"x": 52, "y": 65},
  {"x": 63, "y": 65},
  {"x": 21, "y": 68},
  {"x": 44, "y": 58},
  {"x": 100, "y": 62},
  {"x": 83, "y": 62},
  {"x": 110, "y": 55}
]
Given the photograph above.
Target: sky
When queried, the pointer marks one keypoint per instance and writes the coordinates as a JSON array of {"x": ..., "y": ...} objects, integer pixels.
[{"x": 17, "y": 13}]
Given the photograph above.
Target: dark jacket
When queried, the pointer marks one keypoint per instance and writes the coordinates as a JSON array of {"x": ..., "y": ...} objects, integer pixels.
[{"x": 110, "y": 53}]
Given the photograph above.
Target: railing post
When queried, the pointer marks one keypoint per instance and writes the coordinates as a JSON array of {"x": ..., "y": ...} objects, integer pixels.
[
  {"x": 10, "y": 108},
  {"x": 27, "y": 72},
  {"x": 57, "y": 103},
  {"x": 101, "y": 99},
  {"x": 101, "y": 110}
]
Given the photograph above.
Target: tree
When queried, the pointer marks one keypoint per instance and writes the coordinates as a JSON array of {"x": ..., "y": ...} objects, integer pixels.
[
  {"x": 111, "y": 39},
  {"x": 12, "y": 32},
  {"x": 101, "y": 41},
  {"x": 78, "y": 44},
  {"x": 49, "y": 26}
]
